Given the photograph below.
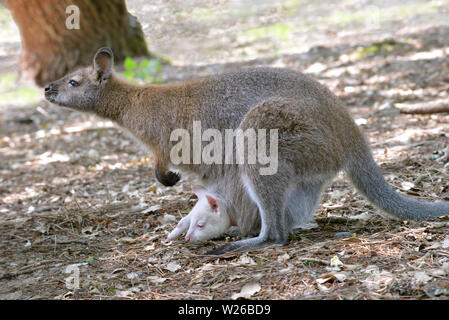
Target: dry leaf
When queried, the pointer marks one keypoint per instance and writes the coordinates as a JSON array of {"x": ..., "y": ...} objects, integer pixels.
[
  {"x": 407, "y": 185},
  {"x": 150, "y": 247},
  {"x": 208, "y": 267},
  {"x": 127, "y": 240},
  {"x": 132, "y": 275},
  {"x": 151, "y": 209},
  {"x": 156, "y": 279},
  {"x": 328, "y": 277},
  {"x": 168, "y": 218},
  {"x": 247, "y": 291},
  {"x": 421, "y": 277},
  {"x": 444, "y": 244},
  {"x": 283, "y": 258},
  {"x": 173, "y": 267},
  {"x": 335, "y": 262},
  {"x": 351, "y": 240},
  {"x": 244, "y": 260},
  {"x": 378, "y": 280}
]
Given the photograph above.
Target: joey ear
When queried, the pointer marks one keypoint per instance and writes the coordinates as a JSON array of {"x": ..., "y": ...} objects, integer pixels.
[
  {"x": 103, "y": 62},
  {"x": 213, "y": 203},
  {"x": 198, "y": 190}
]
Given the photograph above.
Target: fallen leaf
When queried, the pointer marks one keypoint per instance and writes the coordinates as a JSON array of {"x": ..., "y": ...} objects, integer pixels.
[
  {"x": 421, "y": 277},
  {"x": 283, "y": 258},
  {"x": 132, "y": 275},
  {"x": 127, "y": 240},
  {"x": 328, "y": 277},
  {"x": 407, "y": 185},
  {"x": 335, "y": 262},
  {"x": 150, "y": 247},
  {"x": 351, "y": 240},
  {"x": 208, "y": 267},
  {"x": 156, "y": 279},
  {"x": 168, "y": 218},
  {"x": 151, "y": 209},
  {"x": 173, "y": 267},
  {"x": 378, "y": 280},
  {"x": 118, "y": 270},
  {"x": 340, "y": 276},
  {"x": 445, "y": 243},
  {"x": 247, "y": 291},
  {"x": 244, "y": 260}
]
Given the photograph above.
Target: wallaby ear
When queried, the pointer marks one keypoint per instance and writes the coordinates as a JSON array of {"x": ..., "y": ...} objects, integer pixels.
[
  {"x": 103, "y": 62},
  {"x": 198, "y": 190},
  {"x": 212, "y": 202}
]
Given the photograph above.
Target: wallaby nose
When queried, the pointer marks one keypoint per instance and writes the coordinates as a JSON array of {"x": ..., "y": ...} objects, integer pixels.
[
  {"x": 48, "y": 87},
  {"x": 188, "y": 238}
]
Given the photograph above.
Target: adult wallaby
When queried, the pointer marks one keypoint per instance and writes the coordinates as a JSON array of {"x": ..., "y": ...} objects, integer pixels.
[{"x": 317, "y": 137}]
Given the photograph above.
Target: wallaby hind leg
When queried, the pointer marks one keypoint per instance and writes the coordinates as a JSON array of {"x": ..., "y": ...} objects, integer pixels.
[
  {"x": 274, "y": 232},
  {"x": 301, "y": 204}
]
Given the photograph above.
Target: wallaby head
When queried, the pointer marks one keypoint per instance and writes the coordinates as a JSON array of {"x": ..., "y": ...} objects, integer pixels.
[
  {"x": 207, "y": 220},
  {"x": 80, "y": 90}
]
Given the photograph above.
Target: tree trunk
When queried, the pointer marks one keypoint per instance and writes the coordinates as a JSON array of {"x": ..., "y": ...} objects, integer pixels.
[
  {"x": 50, "y": 49},
  {"x": 429, "y": 107}
]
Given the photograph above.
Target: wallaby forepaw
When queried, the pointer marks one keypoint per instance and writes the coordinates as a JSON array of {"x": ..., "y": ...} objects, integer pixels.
[{"x": 168, "y": 178}]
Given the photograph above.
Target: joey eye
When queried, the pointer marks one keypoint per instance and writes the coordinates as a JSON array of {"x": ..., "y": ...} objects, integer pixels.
[
  {"x": 200, "y": 225},
  {"x": 73, "y": 83}
]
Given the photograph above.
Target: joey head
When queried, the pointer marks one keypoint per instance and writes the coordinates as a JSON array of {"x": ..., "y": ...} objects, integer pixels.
[{"x": 207, "y": 220}]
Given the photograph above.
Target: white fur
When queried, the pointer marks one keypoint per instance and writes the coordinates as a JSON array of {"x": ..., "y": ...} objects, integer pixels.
[{"x": 214, "y": 222}]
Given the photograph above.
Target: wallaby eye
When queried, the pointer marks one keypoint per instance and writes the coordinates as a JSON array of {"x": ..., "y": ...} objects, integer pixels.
[{"x": 73, "y": 83}]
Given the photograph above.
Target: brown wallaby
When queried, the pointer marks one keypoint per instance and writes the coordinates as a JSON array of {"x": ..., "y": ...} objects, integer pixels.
[{"x": 317, "y": 138}]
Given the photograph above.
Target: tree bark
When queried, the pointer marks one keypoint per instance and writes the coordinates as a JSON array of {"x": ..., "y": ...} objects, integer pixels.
[
  {"x": 50, "y": 49},
  {"x": 435, "y": 106}
]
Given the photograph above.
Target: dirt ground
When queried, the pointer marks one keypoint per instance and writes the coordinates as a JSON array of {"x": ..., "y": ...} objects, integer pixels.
[{"x": 83, "y": 217}]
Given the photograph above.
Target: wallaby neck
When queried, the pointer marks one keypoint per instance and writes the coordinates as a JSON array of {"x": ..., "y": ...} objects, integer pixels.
[
  {"x": 115, "y": 100},
  {"x": 148, "y": 112}
]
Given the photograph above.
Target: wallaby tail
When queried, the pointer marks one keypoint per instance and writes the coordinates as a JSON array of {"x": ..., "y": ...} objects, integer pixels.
[{"x": 367, "y": 178}]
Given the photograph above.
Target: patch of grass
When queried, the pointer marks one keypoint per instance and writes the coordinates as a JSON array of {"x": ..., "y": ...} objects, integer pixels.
[
  {"x": 146, "y": 70},
  {"x": 279, "y": 31},
  {"x": 13, "y": 94},
  {"x": 211, "y": 15},
  {"x": 4, "y": 15},
  {"x": 7, "y": 81},
  {"x": 204, "y": 14},
  {"x": 8, "y": 28},
  {"x": 373, "y": 14},
  {"x": 383, "y": 48},
  {"x": 289, "y": 7}
]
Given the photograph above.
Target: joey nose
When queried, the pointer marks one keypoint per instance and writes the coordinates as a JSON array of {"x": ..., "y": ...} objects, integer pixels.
[{"x": 48, "y": 87}]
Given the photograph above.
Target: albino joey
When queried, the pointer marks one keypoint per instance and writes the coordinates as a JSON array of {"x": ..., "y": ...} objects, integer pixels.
[{"x": 207, "y": 220}]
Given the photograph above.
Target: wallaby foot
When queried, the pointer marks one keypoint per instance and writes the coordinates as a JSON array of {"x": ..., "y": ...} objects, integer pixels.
[
  {"x": 233, "y": 231},
  {"x": 247, "y": 245}
]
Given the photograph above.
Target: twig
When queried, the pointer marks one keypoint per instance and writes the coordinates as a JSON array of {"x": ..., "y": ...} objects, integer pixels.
[
  {"x": 434, "y": 106},
  {"x": 319, "y": 261},
  {"x": 25, "y": 270}
]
